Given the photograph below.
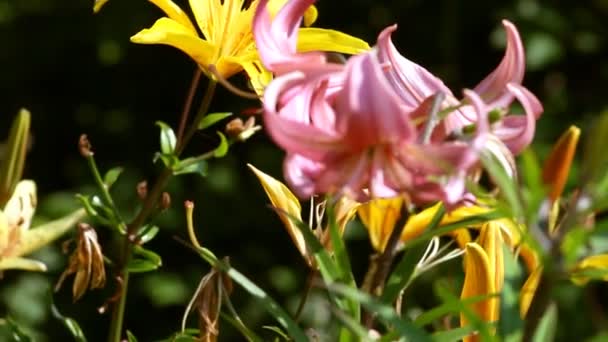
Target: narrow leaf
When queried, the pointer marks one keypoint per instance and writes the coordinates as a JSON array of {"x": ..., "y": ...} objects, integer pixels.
[
  {"x": 547, "y": 325},
  {"x": 222, "y": 149},
  {"x": 211, "y": 119},
  {"x": 263, "y": 298}
]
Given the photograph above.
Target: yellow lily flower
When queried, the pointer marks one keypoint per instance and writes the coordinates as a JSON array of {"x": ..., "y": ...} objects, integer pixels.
[
  {"x": 528, "y": 290},
  {"x": 282, "y": 198},
  {"x": 16, "y": 237},
  {"x": 227, "y": 42}
]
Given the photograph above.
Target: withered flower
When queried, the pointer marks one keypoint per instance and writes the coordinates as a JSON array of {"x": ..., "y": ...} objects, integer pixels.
[
  {"x": 86, "y": 262},
  {"x": 207, "y": 300}
]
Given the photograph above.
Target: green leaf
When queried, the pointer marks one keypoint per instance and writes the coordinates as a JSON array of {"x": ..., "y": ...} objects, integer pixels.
[
  {"x": 277, "y": 331},
  {"x": 17, "y": 333},
  {"x": 353, "y": 325},
  {"x": 111, "y": 176},
  {"x": 477, "y": 323},
  {"x": 211, "y": 119},
  {"x": 169, "y": 160},
  {"x": 191, "y": 165},
  {"x": 385, "y": 313},
  {"x": 262, "y": 297},
  {"x": 167, "y": 138},
  {"x": 68, "y": 322},
  {"x": 222, "y": 149},
  {"x": 547, "y": 325},
  {"x": 405, "y": 270},
  {"x": 131, "y": 337},
  {"x": 448, "y": 307},
  {"x": 453, "y": 335},
  {"x": 508, "y": 188},
  {"x": 342, "y": 261},
  {"x": 147, "y": 233},
  {"x": 144, "y": 260},
  {"x": 242, "y": 328}
]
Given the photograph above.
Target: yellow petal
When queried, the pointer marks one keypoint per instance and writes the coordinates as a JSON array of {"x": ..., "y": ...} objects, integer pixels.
[
  {"x": 5, "y": 233},
  {"x": 379, "y": 216},
  {"x": 281, "y": 197},
  {"x": 170, "y": 32},
  {"x": 529, "y": 257},
  {"x": 98, "y": 5},
  {"x": 175, "y": 12},
  {"x": 345, "y": 210},
  {"x": 490, "y": 239},
  {"x": 317, "y": 39},
  {"x": 528, "y": 290},
  {"x": 558, "y": 164},
  {"x": 20, "y": 208},
  {"x": 310, "y": 15},
  {"x": 478, "y": 281},
  {"x": 417, "y": 223},
  {"x": 42, "y": 235},
  {"x": 593, "y": 263},
  {"x": 22, "y": 264}
]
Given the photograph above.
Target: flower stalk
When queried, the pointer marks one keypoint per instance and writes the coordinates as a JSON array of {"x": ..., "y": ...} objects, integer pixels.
[{"x": 147, "y": 209}]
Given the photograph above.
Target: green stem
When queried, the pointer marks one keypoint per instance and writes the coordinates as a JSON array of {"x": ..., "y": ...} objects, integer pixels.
[
  {"x": 375, "y": 278},
  {"x": 105, "y": 192},
  {"x": 146, "y": 210}
]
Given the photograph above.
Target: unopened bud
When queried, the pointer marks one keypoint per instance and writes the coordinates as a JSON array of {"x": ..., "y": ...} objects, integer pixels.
[
  {"x": 142, "y": 190},
  {"x": 165, "y": 201},
  {"x": 84, "y": 146},
  {"x": 12, "y": 165}
]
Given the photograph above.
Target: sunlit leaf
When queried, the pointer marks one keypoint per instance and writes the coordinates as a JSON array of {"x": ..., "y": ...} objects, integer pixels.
[
  {"x": 222, "y": 149},
  {"x": 112, "y": 175},
  {"x": 168, "y": 140},
  {"x": 545, "y": 331},
  {"x": 191, "y": 165},
  {"x": 131, "y": 337},
  {"x": 147, "y": 233},
  {"x": 144, "y": 260},
  {"x": 211, "y": 119},
  {"x": 68, "y": 322}
]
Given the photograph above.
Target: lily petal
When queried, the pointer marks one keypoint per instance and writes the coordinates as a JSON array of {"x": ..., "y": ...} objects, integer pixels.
[
  {"x": 276, "y": 38},
  {"x": 557, "y": 166},
  {"x": 510, "y": 70},
  {"x": 411, "y": 82},
  {"x": 528, "y": 290},
  {"x": 170, "y": 32},
  {"x": 175, "y": 12},
  {"x": 380, "y": 216},
  {"x": 598, "y": 263},
  {"x": 478, "y": 281},
  {"x": 286, "y": 201},
  {"x": 374, "y": 111},
  {"x": 318, "y": 39},
  {"x": 42, "y": 235},
  {"x": 490, "y": 238},
  {"x": 16, "y": 263},
  {"x": 517, "y": 131}
]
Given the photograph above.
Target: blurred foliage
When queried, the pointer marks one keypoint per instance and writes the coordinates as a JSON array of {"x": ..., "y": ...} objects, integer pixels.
[{"x": 78, "y": 73}]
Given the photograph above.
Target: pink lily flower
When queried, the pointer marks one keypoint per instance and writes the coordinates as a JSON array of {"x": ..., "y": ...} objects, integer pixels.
[
  {"x": 346, "y": 131},
  {"x": 413, "y": 84}
]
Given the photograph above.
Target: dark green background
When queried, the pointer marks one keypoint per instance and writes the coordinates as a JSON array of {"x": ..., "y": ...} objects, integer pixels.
[{"x": 78, "y": 73}]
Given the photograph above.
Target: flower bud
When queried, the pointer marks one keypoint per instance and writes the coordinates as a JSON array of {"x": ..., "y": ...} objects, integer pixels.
[{"x": 11, "y": 169}]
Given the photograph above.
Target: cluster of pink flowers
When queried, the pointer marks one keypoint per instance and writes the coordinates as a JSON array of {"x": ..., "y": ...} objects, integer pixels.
[{"x": 361, "y": 128}]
